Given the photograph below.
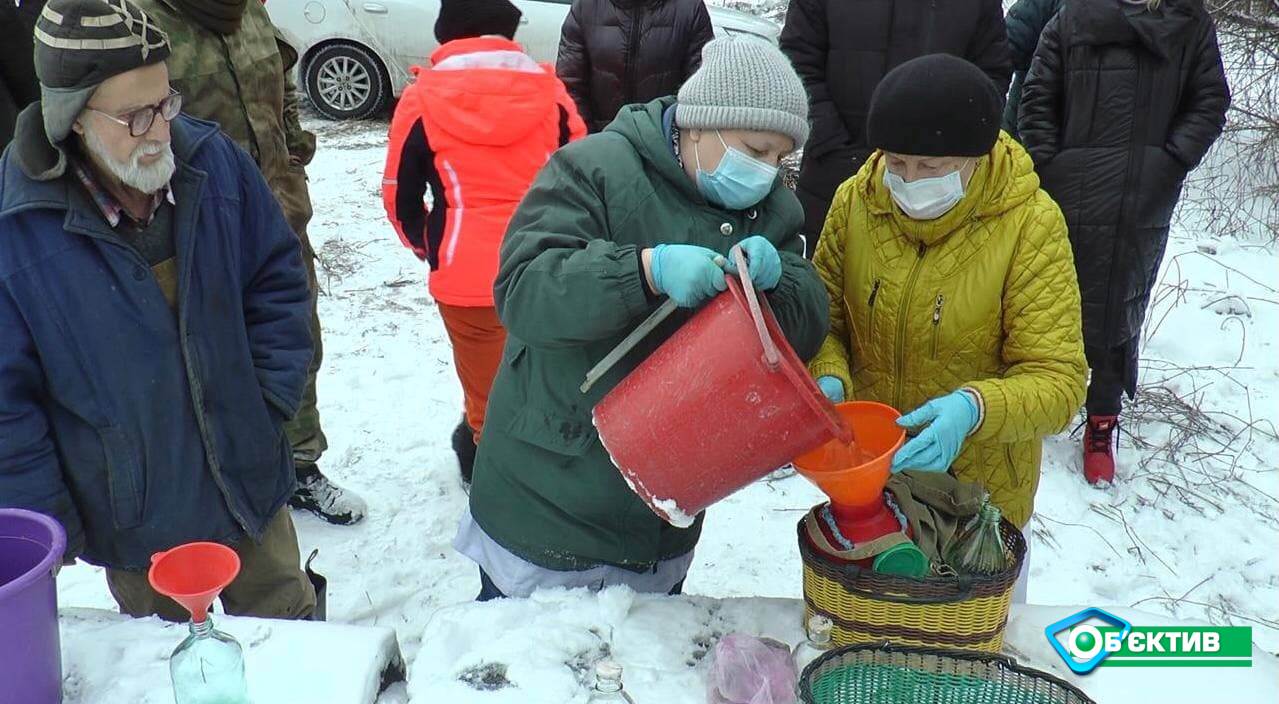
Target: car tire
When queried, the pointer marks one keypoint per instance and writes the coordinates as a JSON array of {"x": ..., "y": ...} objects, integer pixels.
[{"x": 346, "y": 82}]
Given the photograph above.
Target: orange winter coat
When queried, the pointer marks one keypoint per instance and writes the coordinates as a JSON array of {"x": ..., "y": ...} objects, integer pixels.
[{"x": 475, "y": 128}]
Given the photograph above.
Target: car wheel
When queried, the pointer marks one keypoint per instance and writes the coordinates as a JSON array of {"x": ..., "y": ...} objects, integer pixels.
[{"x": 347, "y": 82}]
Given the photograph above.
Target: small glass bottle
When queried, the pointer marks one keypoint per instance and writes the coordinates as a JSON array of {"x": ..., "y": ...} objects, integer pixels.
[
  {"x": 608, "y": 685},
  {"x": 818, "y": 642},
  {"x": 208, "y": 667},
  {"x": 979, "y": 547}
]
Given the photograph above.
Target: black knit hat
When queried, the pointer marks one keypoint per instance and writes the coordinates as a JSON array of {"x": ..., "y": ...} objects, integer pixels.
[
  {"x": 935, "y": 105},
  {"x": 463, "y": 19}
]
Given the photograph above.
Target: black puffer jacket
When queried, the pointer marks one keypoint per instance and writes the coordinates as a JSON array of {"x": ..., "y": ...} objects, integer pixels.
[
  {"x": 1120, "y": 103},
  {"x": 1026, "y": 21},
  {"x": 619, "y": 52},
  {"x": 29, "y": 11},
  {"x": 842, "y": 48},
  {"x": 18, "y": 85}
]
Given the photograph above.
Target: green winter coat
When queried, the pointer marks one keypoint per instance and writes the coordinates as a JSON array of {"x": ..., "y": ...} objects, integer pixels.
[
  {"x": 240, "y": 81},
  {"x": 569, "y": 288}
]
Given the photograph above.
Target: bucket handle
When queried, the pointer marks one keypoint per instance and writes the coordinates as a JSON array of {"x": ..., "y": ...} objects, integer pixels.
[
  {"x": 628, "y": 343},
  {"x": 815, "y": 400},
  {"x": 772, "y": 356}
]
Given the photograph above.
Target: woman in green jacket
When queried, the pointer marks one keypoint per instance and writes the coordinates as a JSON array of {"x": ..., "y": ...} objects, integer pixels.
[{"x": 649, "y": 208}]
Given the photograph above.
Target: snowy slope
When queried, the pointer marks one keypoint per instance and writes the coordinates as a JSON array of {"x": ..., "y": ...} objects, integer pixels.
[{"x": 1189, "y": 530}]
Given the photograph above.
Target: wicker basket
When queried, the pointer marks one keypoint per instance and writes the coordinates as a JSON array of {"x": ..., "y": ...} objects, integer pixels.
[
  {"x": 963, "y": 613},
  {"x": 886, "y": 674}
]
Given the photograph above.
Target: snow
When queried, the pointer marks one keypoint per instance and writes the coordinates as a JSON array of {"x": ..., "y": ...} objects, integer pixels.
[
  {"x": 674, "y": 514},
  {"x": 551, "y": 641},
  {"x": 542, "y": 650},
  {"x": 1186, "y": 533},
  {"x": 285, "y": 661}
]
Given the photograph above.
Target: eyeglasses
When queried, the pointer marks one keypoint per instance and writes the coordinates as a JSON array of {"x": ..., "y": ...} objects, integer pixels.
[{"x": 140, "y": 121}]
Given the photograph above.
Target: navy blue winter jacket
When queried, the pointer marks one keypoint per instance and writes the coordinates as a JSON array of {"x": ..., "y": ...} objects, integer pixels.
[{"x": 139, "y": 429}]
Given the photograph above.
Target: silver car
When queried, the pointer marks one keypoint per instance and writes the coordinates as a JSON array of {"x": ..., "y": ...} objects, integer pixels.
[{"x": 356, "y": 54}]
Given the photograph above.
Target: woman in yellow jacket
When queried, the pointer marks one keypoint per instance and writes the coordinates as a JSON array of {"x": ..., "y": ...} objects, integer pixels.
[{"x": 952, "y": 286}]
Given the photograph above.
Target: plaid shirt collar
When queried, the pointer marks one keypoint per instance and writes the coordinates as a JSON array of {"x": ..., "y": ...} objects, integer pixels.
[{"x": 107, "y": 204}]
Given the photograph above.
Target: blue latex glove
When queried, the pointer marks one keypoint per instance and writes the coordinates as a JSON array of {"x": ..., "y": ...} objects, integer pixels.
[
  {"x": 949, "y": 419},
  {"x": 762, "y": 259},
  {"x": 832, "y": 387},
  {"x": 687, "y": 273}
]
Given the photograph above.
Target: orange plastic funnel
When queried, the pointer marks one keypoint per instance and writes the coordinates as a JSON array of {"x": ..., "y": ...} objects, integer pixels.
[
  {"x": 194, "y": 574},
  {"x": 855, "y": 475}
]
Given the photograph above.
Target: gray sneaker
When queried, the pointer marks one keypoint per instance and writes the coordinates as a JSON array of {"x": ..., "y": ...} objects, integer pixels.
[{"x": 315, "y": 493}]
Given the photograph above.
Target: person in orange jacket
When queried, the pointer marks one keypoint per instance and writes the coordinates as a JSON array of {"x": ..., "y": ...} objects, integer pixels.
[{"x": 473, "y": 129}]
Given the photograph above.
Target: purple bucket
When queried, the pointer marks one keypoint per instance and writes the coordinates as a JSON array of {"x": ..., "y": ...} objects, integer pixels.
[{"x": 31, "y": 547}]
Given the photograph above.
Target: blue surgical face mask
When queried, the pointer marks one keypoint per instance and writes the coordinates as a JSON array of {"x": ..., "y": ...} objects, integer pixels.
[
  {"x": 926, "y": 198},
  {"x": 738, "y": 182}
]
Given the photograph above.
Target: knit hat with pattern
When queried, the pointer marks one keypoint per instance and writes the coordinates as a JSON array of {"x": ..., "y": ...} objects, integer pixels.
[{"x": 81, "y": 43}]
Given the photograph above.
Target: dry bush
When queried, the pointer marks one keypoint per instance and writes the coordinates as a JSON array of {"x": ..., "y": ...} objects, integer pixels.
[{"x": 1236, "y": 192}]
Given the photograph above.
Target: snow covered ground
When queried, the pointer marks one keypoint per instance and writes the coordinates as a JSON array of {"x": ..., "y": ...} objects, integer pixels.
[{"x": 1190, "y": 530}]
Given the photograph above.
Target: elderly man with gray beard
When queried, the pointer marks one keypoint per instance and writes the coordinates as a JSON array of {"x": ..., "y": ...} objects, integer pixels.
[{"x": 153, "y": 322}]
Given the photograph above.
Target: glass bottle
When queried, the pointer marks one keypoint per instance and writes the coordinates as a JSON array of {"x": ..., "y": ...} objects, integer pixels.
[
  {"x": 979, "y": 547},
  {"x": 208, "y": 667},
  {"x": 608, "y": 685},
  {"x": 819, "y": 629}
]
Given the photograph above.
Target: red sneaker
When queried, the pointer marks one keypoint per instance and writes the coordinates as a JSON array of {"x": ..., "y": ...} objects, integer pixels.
[{"x": 1099, "y": 449}]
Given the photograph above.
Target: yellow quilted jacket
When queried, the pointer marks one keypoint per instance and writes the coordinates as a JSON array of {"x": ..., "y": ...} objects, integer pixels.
[{"x": 984, "y": 297}]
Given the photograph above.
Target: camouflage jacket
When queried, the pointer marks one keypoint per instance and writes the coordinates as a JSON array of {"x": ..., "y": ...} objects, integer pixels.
[{"x": 241, "y": 82}]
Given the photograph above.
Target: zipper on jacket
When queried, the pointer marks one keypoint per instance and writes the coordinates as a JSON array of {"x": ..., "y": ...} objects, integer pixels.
[
  {"x": 632, "y": 44},
  {"x": 937, "y": 309},
  {"x": 870, "y": 303},
  {"x": 900, "y": 347}
]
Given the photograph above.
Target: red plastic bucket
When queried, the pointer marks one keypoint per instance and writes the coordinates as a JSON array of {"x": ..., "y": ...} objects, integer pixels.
[{"x": 706, "y": 414}]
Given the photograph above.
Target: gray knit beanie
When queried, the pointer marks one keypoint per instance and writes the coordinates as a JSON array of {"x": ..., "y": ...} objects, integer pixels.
[
  {"x": 81, "y": 43},
  {"x": 744, "y": 84}
]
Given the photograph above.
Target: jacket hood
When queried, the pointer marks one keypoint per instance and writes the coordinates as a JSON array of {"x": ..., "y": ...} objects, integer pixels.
[
  {"x": 1005, "y": 179},
  {"x": 20, "y": 190},
  {"x": 486, "y": 91},
  {"x": 1099, "y": 22},
  {"x": 641, "y": 125}
]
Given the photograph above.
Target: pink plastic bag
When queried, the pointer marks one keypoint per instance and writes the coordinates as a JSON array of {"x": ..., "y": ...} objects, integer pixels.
[{"x": 750, "y": 670}]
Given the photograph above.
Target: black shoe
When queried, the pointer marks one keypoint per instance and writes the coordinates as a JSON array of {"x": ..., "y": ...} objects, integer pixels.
[
  {"x": 464, "y": 447},
  {"x": 315, "y": 493}
]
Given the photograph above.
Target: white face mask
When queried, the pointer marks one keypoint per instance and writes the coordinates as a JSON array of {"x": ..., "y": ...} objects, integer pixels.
[{"x": 926, "y": 198}]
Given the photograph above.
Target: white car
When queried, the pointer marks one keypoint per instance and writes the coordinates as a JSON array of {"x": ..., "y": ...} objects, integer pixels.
[{"x": 355, "y": 54}]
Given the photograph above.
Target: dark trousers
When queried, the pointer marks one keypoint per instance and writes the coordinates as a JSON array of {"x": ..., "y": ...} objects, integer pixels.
[
  {"x": 489, "y": 590},
  {"x": 1114, "y": 373},
  {"x": 271, "y": 582}
]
